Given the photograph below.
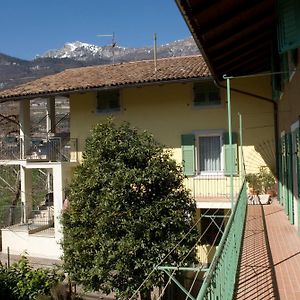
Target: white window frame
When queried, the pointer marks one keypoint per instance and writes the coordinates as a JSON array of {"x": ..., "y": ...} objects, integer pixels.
[{"x": 209, "y": 133}]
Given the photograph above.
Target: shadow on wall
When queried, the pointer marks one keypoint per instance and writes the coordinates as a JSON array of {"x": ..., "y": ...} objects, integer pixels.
[{"x": 267, "y": 151}]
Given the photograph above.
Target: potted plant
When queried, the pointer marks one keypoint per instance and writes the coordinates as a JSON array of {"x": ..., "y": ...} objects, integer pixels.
[
  {"x": 268, "y": 181},
  {"x": 262, "y": 185}
]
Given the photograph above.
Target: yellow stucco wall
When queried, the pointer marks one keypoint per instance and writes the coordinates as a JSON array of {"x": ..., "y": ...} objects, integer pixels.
[{"x": 167, "y": 112}]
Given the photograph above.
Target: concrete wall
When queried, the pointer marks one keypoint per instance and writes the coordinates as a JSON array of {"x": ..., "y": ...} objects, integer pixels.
[{"x": 23, "y": 243}]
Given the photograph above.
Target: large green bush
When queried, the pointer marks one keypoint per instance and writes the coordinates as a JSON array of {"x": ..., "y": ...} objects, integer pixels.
[{"x": 128, "y": 209}]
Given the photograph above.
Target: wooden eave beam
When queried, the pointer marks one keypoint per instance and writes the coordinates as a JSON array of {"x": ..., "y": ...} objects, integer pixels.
[
  {"x": 254, "y": 69},
  {"x": 240, "y": 36},
  {"x": 205, "y": 19},
  {"x": 222, "y": 11},
  {"x": 242, "y": 56},
  {"x": 259, "y": 62},
  {"x": 242, "y": 20},
  {"x": 231, "y": 52}
]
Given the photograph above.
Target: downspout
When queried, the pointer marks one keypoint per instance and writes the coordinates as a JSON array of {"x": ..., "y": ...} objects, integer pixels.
[{"x": 275, "y": 118}]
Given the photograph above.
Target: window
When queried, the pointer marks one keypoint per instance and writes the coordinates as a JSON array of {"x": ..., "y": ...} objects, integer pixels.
[
  {"x": 209, "y": 153},
  {"x": 288, "y": 25},
  {"x": 108, "y": 101},
  {"x": 206, "y": 94}
]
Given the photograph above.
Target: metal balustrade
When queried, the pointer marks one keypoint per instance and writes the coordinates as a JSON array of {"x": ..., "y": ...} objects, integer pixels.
[
  {"x": 9, "y": 148},
  {"x": 213, "y": 188},
  {"x": 45, "y": 148},
  {"x": 219, "y": 282},
  {"x": 13, "y": 217}
]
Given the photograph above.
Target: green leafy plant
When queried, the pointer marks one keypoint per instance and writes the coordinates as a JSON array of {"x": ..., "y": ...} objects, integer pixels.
[
  {"x": 262, "y": 182},
  {"x": 128, "y": 209},
  {"x": 22, "y": 282}
]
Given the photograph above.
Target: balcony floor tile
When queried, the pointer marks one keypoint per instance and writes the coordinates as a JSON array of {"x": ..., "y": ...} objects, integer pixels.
[{"x": 270, "y": 260}]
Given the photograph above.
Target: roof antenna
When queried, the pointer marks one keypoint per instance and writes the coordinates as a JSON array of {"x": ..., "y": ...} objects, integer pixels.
[
  {"x": 155, "y": 52},
  {"x": 113, "y": 43}
]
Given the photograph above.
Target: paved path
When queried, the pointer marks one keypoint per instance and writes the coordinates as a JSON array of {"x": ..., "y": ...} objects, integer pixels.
[
  {"x": 285, "y": 247},
  {"x": 34, "y": 261},
  {"x": 256, "y": 276},
  {"x": 270, "y": 261}
]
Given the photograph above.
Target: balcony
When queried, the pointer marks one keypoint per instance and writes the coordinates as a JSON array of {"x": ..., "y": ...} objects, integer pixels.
[
  {"x": 54, "y": 148},
  {"x": 211, "y": 191}
]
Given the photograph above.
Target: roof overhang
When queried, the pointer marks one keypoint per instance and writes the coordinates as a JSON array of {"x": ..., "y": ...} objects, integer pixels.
[{"x": 234, "y": 37}]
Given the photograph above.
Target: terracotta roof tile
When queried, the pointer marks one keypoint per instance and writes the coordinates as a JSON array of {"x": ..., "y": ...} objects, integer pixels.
[{"x": 105, "y": 76}]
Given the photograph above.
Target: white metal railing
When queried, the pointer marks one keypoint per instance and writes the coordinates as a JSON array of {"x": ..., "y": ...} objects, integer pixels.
[
  {"x": 42, "y": 148},
  {"x": 210, "y": 187},
  {"x": 38, "y": 219}
]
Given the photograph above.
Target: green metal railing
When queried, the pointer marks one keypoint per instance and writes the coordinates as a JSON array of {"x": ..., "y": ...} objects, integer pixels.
[{"x": 219, "y": 282}]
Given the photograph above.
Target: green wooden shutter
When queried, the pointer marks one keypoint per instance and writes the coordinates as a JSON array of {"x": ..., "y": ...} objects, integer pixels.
[
  {"x": 226, "y": 149},
  {"x": 284, "y": 174},
  {"x": 288, "y": 24},
  {"x": 279, "y": 159},
  {"x": 298, "y": 161},
  {"x": 298, "y": 175},
  {"x": 290, "y": 177},
  {"x": 188, "y": 154}
]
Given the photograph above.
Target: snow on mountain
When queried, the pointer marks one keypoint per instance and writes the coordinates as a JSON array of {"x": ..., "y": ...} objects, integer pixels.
[{"x": 88, "y": 52}]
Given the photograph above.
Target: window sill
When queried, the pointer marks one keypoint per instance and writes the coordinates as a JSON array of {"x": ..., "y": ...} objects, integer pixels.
[
  {"x": 210, "y": 175},
  {"x": 108, "y": 111},
  {"x": 208, "y": 106}
]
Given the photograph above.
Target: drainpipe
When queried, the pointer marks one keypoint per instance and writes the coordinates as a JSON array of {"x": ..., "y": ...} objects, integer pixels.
[{"x": 275, "y": 117}]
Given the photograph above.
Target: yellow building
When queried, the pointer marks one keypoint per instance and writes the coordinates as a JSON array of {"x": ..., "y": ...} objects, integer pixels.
[
  {"x": 180, "y": 104},
  {"x": 264, "y": 42}
]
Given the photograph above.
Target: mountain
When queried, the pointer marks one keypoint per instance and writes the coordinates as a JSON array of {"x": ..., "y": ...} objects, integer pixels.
[
  {"x": 14, "y": 71},
  {"x": 90, "y": 53}
]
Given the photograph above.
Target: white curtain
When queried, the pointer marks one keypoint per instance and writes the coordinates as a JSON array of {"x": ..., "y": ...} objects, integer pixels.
[{"x": 210, "y": 153}]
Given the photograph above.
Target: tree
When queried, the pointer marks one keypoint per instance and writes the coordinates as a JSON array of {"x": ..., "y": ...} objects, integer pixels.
[{"x": 128, "y": 209}]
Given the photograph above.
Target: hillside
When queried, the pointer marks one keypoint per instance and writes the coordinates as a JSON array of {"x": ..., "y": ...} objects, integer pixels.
[{"x": 14, "y": 71}]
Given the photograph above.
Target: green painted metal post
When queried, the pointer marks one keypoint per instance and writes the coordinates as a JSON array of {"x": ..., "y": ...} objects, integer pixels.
[
  {"x": 243, "y": 168},
  {"x": 231, "y": 162}
]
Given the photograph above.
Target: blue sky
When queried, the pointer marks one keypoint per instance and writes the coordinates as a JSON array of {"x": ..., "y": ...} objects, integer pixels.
[{"x": 30, "y": 27}]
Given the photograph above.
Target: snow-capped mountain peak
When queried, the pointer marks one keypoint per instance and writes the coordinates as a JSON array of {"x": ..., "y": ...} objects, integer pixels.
[{"x": 89, "y": 53}]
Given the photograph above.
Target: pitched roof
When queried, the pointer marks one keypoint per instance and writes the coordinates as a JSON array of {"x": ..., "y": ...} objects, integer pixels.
[{"x": 109, "y": 76}]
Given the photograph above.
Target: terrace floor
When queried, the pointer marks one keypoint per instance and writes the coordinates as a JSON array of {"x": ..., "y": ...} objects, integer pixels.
[{"x": 270, "y": 261}]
